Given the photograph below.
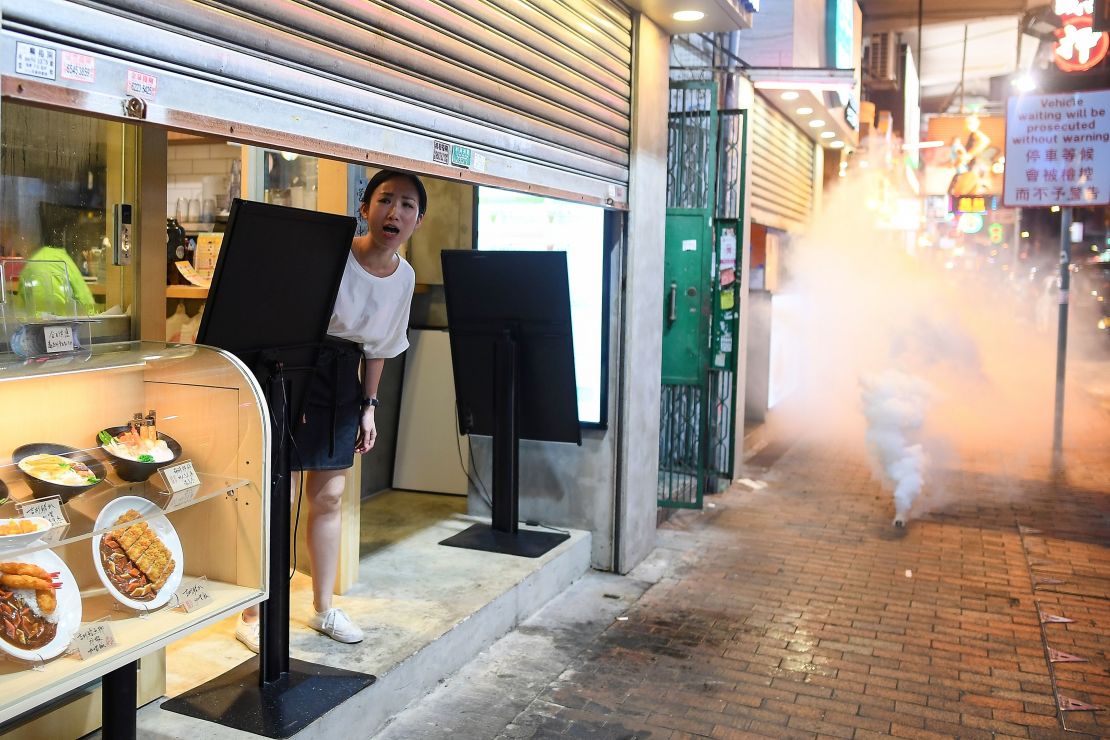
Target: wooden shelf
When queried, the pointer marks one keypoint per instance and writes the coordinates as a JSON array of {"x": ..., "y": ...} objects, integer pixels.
[{"x": 186, "y": 291}]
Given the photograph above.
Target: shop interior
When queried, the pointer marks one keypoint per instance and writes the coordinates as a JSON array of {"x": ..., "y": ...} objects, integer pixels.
[{"x": 64, "y": 178}]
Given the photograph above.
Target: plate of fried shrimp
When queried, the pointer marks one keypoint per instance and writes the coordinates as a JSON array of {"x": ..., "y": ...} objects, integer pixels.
[{"x": 40, "y": 606}]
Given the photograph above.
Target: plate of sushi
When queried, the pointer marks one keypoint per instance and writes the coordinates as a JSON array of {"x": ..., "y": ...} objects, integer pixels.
[
  {"x": 137, "y": 553},
  {"x": 40, "y": 606}
]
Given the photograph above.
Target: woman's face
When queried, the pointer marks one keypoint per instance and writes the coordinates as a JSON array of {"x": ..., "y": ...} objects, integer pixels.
[{"x": 393, "y": 212}]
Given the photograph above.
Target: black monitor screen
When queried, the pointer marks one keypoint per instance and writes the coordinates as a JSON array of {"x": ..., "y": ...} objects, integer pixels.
[
  {"x": 525, "y": 294},
  {"x": 276, "y": 278}
]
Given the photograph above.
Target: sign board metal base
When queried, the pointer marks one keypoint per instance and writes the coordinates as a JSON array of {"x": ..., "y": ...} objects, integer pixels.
[
  {"x": 523, "y": 543},
  {"x": 279, "y": 709}
]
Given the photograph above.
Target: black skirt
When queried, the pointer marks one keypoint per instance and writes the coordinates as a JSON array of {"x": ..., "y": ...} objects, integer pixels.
[{"x": 324, "y": 438}]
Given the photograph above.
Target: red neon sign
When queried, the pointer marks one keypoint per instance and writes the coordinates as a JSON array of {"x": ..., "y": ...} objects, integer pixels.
[{"x": 1078, "y": 46}]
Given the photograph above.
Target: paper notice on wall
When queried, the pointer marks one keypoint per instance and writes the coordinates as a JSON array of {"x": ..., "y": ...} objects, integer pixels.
[
  {"x": 728, "y": 246},
  {"x": 689, "y": 245}
]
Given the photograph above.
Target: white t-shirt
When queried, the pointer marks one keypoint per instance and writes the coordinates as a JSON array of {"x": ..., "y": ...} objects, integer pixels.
[{"x": 374, "y": 311}]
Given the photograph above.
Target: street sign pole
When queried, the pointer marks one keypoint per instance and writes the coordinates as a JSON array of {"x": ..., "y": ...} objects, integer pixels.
[{"x": 1062, "y": 339}]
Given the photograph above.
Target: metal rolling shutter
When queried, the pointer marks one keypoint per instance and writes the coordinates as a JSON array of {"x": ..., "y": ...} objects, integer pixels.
[
  {"x": 782, "y": 169},
  {"x": 539, "y": 90}
]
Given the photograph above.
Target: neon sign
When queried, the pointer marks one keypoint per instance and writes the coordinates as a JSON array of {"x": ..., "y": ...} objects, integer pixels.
[{"x": 1078, "y": 46}]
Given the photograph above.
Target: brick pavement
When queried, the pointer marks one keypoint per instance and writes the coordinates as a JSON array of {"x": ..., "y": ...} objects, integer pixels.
[{"x": 802, "y": 613}]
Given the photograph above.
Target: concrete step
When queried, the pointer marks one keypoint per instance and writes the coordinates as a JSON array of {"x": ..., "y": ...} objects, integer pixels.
[{"x": 426, "y": 609}]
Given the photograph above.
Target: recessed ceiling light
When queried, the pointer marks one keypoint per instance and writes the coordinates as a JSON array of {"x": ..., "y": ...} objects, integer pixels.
[
  {"x": 688, "y": 15},
  {"x": 804, "y": 111},
  {"x": 827, "y": 134},
  {"x": 838, "y": 144},
  {"x": 816, "y": 123},
  {"x": 789, "y": 95}
]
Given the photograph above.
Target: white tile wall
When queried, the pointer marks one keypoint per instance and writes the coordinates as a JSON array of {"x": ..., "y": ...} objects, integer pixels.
[{"x": 198, "y": 171}]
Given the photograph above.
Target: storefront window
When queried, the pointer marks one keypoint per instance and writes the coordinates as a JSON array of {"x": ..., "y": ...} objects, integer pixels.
[
  {"x": 286, "y": 179},
  {"x": 63, "y": 176},
  {"x": 517, "y": 221}
]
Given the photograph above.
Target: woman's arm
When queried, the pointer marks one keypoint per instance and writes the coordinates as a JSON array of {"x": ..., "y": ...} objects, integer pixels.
[{"x": 368, "y": 431}]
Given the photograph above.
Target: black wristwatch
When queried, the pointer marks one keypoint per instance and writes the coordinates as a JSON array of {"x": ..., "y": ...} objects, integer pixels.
[{"x": 370, "y": 402}]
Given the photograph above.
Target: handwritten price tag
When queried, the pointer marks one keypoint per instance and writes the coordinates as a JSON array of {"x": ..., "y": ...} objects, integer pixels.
[
  {"x": 49, "y": 509},
  {"x": 93, "y": 639},
  {"x": 58, "y": 338},
  {"x": 181, "y": 498},
  {"x": 195, "y": 595},
  {"x": 180, "y": 477}
]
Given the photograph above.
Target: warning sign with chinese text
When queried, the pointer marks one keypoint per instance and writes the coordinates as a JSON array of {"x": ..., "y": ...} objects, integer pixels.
[{"x": 1058, "y": 150}]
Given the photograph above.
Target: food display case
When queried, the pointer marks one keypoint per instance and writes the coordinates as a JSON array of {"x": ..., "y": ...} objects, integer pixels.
[{"x": 135, "y": 498}]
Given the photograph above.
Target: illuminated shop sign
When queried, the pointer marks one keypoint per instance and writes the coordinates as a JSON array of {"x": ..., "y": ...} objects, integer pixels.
[
  {"x": 839, "y": 35},
  {"x": 1078, "y": 46},
  {"x": 970, "y": 204},
  {"x": 970, "y": 223}
]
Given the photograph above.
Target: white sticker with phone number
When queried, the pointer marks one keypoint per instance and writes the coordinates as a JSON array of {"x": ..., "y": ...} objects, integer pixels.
[
  {"x": 36, "y": 61},
  {"x": 142, "y": 85},
  {"x": 78, "y": 67}
]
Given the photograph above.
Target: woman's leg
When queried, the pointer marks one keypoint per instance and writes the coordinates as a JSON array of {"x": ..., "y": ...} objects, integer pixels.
[{"x": 325, "y": 494}]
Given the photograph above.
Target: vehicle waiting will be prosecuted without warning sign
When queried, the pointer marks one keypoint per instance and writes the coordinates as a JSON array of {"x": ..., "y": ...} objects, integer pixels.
[{"x": 1058, "y": 150}]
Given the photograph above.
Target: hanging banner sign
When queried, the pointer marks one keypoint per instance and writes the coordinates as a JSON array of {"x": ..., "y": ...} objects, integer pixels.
[
  {"x": 1079, "y": 44},
  {"x": 1058, "y": 150}
]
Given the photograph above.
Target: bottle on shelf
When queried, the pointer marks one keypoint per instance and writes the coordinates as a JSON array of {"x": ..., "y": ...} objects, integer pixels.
[{"x": 176, "y": 242}]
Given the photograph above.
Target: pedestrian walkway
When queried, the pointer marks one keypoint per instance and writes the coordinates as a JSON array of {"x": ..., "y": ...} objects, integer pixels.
[{"x": 799, "y": 611}]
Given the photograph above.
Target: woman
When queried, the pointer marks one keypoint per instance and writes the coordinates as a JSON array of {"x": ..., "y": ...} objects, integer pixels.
[{"x": 368, "y": 323}]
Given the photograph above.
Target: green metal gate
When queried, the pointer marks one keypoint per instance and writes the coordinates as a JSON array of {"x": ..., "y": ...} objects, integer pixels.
[
  {"x": 728, "y": 225},
  {"x": 688, "y": 293},
  {"x": 702, "y": 299}
]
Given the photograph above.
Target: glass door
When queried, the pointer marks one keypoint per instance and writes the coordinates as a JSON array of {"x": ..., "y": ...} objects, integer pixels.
[{"x": 69, "y": 185}]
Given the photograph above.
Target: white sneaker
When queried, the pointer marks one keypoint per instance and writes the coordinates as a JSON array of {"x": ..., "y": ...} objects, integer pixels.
[
  {"x": 247, "y": 633},
  {"x": 336, "y": 625}
]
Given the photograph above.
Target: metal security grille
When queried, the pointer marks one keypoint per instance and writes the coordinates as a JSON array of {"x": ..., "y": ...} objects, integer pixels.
[
  {"x": 721, "y": 385},
  {"x": 730, "y": 146},
  {"x": 682, "y": 449},
  {"x": 689, "y": 244},
  {"x": 782, "y": 169},
  {"x": 689, "y": 144},
  {"x": 541, "y": 91}
]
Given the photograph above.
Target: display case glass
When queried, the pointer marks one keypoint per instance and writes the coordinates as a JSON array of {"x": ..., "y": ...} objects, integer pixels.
[{"x": 135, "y": 491}]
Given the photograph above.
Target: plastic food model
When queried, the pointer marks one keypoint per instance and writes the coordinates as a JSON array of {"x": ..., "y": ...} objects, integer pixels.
[
  {"x": 136, "y": 562},
  {"x": 27, "y": 605},
  {"x": 59, "y": 470},
  {"x": 139, "y": 442},
  {"x": 19, "y": 526}
]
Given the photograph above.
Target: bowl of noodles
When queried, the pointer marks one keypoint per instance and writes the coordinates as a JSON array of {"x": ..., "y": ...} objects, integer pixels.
[
  {"x": 135, "y": 459},
  {"x": 57, "y": 470}
]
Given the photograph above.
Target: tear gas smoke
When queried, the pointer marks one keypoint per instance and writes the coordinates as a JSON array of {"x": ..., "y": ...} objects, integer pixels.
[
  {"x": 894, "y": 405},
  {"x": 945, "y": 360}
]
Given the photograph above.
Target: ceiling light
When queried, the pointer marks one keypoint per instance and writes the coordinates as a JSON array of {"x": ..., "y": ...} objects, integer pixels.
[
  {"x": 789, "y": 95},
  {"x": 816, "y": 123},
  {"x": 688, "y": 16},
  {"x": 1025, "y": 83},
  {"x": 804, "y": 111},
  {"x": 827, "y": 134},
  {"x": 838, "y": 144}
]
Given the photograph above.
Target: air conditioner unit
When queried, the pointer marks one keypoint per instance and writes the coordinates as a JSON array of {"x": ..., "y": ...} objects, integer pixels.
[{"x": 880, "y": 57}]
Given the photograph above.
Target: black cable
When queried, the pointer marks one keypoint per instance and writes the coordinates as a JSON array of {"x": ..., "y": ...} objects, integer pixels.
[
  {"x": 479, "y": 488},
  {"x": 286, "y": 432}
]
